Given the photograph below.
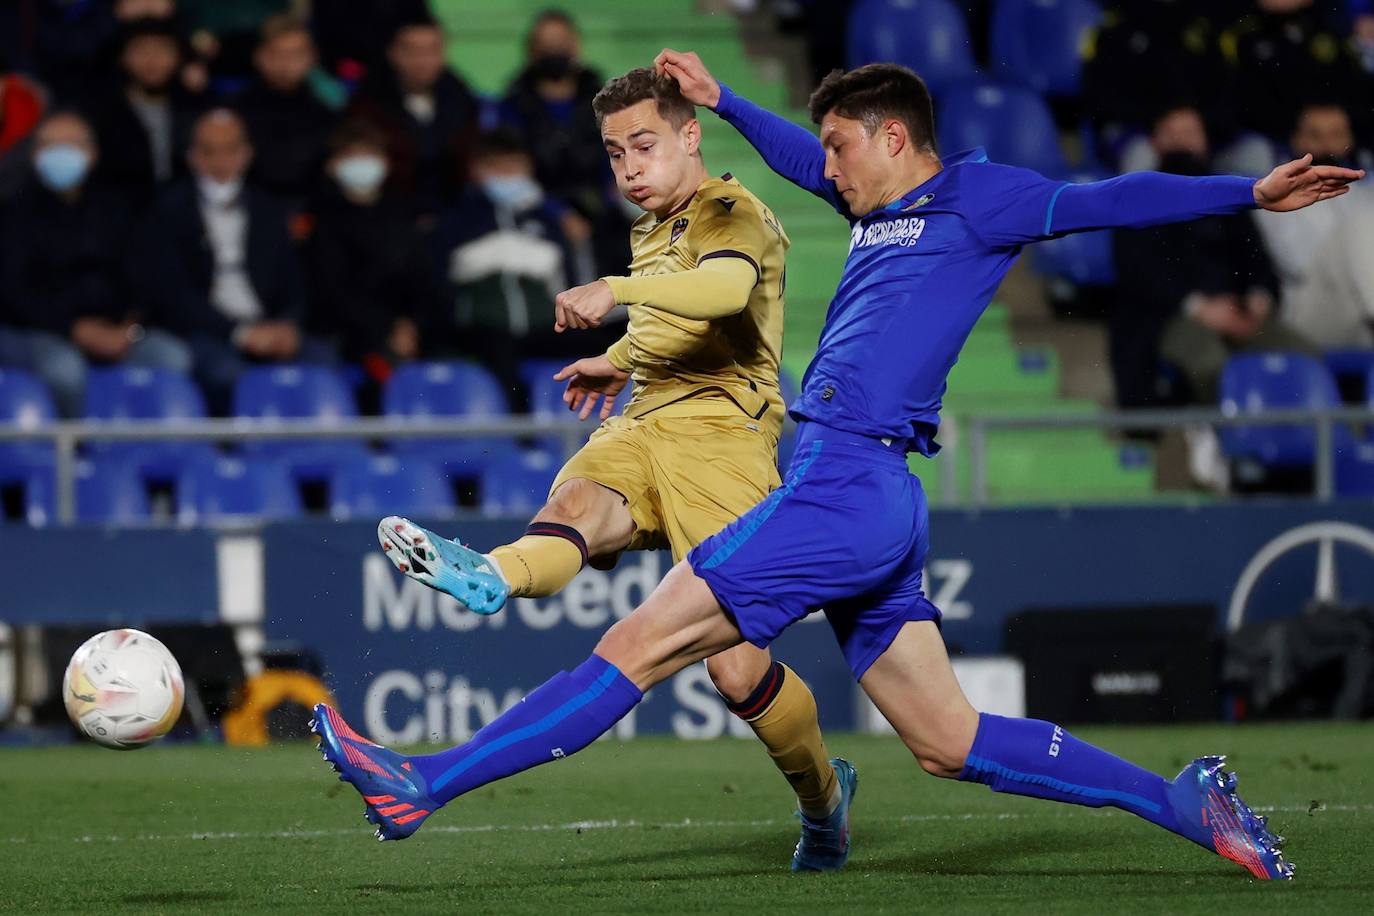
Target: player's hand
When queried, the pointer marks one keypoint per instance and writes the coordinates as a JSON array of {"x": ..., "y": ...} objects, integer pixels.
[
  {"x": 696, "y": 82},
  {"x": 1299, "y": 184},
  {"x": 590, "y": 380},
  {"x": 583, "y": 306}
]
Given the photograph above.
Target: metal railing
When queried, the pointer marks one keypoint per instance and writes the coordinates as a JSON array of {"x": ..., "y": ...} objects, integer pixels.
[
  {"x": 977, "y": 426},
  {"x": 968, "y": 432}
]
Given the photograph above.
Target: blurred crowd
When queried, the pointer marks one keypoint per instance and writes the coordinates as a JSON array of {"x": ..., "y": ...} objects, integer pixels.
[{"x": 205, "y": 186}]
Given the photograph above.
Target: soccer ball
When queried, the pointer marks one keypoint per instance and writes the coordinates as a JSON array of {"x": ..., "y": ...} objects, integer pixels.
[{"x": 123, "y": 689}]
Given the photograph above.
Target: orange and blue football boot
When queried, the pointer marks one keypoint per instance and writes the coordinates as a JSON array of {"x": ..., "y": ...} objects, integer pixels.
[
  {"x": 824, "y": 844},
  {"x": 394, "y": 793},
  {"x": 1205, "y": 800}
]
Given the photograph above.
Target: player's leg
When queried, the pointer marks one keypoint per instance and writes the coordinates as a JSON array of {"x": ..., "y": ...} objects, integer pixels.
[
  {"x": 913, "y": 686},
  {"x": 587, "y": 515},
  {"x": 708, "y": 471},
  {"x": 679, "y": 624}
]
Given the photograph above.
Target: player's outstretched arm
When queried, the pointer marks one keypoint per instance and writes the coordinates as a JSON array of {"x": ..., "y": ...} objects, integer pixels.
[
  {"x": 790, "y": 150},
  {"x": 1144, "y": 199},
  {"x": 717, "y": 287}
]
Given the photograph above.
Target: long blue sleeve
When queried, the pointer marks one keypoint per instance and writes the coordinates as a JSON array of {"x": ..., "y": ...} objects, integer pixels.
[
  {"x": 1143, "y": 199},
  {"x": 790, "y": 150}
]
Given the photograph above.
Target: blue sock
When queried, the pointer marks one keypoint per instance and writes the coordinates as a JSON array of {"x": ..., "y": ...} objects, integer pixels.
[
  {"x": 1040, "y": 759},
  {"x": 567, "y": 713}
]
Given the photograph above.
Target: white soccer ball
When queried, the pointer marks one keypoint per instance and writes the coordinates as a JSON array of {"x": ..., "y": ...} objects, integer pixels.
[{"x": 123, "y": 689}]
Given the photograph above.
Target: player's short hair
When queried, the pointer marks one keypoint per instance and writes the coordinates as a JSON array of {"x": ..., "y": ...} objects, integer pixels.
[
  {"x": 874, "y": 93},
  {"x": 357, "y": 132},
  {"x": 279, "y": 26},
  {"x": 640, "y": 85}
]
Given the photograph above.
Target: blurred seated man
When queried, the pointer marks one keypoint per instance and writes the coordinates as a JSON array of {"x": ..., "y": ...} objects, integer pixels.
[
  {"x": 372, "y": 276},
  {"x": 1323, "y": 254},
  {"x": 550, "y": 104},
  {"x": 66, "y": 297},
  {"x": 428, "y": 113},
  {"x": 218, "y": 265},
  {"x": 143, "y": 121},
  {"x": 288, "y": 126},
  {"x": 1190, "y": 294},
  {"x": 504, "y": 255}
]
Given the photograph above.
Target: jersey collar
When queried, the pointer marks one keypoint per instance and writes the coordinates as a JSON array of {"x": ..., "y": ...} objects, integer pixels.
[{"x": 965, "y": 157}]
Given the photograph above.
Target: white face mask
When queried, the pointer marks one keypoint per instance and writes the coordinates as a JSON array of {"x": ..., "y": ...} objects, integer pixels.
[
  {"x": 360, "y": 174},
  {"x": 219, "y": 193}
]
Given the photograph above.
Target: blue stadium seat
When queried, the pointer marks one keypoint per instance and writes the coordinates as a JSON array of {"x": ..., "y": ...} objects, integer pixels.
[
  {"x": 929, "y": 36},
  {"x": 140, "y": 393},
  {"x": 1012, "y": 123},
  {"x": 228, "y": 489},
  {"x": 1084, "y": 259},
  {"x": 107, "y": 492},
  {"x": 300, "y": 393},
  {"x": 1255, "y": 383},
  {"x": 1355, "y": 469},
  {"x": 383, "y": 485},
  {"x": 1040, "y": 43},
  {"x": 1353, "y": 369},
  {"x": 449, "y": 389},
  {"x": 24, "y": 403},
  {"x": 518, "y": 487}
]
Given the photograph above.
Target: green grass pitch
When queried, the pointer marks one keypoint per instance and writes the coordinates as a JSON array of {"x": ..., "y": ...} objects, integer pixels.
[{"x": 661, "y": 826}]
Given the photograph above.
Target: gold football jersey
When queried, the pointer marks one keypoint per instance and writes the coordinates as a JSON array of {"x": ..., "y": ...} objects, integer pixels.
[{"x": 725, "y": 364}]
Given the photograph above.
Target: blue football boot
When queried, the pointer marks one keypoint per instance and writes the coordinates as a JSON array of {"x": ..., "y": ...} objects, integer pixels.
[
  {"x": 1204, "y": 799},
  {"x": 394, "y": 793},
  {"x": 443, "y": 564},
  {"x": 824, "y": 844}
]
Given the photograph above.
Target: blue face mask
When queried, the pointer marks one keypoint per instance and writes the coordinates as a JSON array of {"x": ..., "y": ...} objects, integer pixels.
[
  {"x": 512, "y": 192},
  {"x": 62, "y": 166},
  {"x": 361, "y": 174}
]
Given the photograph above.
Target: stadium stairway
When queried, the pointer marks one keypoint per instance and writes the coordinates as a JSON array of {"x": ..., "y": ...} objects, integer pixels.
[{"x": 993, "y": 373}]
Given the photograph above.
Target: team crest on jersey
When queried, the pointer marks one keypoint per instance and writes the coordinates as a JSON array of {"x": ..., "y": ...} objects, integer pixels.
[
  {"x": 679, "y": 227},
  {"x": 901, "y": 232},
  {"x": 925, "y": 199}
]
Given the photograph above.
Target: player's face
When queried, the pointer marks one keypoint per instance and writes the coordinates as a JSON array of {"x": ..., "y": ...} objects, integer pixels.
[
  {"x": 651, "y": 159},
  {"x": 857, "y": 161}
]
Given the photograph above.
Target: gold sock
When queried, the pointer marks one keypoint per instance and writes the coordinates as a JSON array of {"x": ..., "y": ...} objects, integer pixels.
[
  {"x": 541, "y": 562},
  {"x": 786, "y": 723}
]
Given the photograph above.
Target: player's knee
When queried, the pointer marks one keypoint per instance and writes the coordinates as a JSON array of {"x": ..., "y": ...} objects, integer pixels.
[
  {"x": 732, "y": 678},
  {"x": 571, "y": 502},
  {"x": 938, "y": 758}
]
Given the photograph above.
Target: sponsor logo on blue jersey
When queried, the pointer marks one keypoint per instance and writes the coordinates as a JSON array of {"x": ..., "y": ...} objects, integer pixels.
[{"x": 903, "y": 232}]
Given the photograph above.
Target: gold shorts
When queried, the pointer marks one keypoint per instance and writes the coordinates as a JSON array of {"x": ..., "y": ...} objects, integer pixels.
[{"x": 683, "y": 477}]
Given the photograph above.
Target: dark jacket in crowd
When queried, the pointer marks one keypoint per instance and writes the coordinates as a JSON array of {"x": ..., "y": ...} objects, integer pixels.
[
  {"x": 64, "y": 261},
  {"x": 290, "y": 133},
  {"x": 369, "y": 267},
  {"x": 1157, "y": 269},
  {"x": 126, "y": 164},
  {"x": 564, "y": 139},
  {"x": 429, "y": 161},
  {"x": 176, "y": 263}
]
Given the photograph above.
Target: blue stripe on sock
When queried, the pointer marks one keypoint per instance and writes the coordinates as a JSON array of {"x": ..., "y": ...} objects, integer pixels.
[
  {"x": 763, "y": 511},
  {"x": 989, "y": 766},
  {"x": 596, "y": 689}
]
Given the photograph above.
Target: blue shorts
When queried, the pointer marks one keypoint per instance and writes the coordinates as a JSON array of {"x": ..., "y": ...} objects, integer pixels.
[{"x": 846, "y": 533}]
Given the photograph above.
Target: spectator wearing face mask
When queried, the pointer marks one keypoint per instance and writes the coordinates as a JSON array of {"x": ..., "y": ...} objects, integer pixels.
[
  {"x": 67, "y": 302},
  {"x": 144, "y": 121},
  {"x": 288, "y": 126},
  {"x": 1190, "y": 294},
  {"x": 218, "y": 267},
  {"x": 372, "y": 276},
  {"x": 503, "y": 257},
  {"x": 428, "y": 113},
  {"x": 1324, "y": 258},
  {"x": 550, "y": 104}
]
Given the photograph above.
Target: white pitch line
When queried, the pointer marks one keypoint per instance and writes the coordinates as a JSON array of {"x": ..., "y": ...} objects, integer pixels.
[{"x": 616, "y": 824}]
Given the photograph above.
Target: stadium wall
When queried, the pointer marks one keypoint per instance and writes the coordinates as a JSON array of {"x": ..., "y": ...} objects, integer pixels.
[{"x": 410, "y": 664}]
